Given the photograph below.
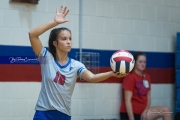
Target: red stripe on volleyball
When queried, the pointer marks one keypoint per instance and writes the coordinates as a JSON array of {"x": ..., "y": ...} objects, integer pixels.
[
  {"x": 116, "y": 59},
  {"x": 122, "y": 51}
]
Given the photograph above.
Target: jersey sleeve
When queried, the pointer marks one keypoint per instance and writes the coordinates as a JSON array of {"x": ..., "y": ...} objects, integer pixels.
[
  {"x": 44, "y": 56},
  {"x": 128, "y": 82},
  {"x": 81, "y": 69}
]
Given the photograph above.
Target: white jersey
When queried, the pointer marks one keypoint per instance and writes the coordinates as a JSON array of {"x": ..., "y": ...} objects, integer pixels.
[{"x": 57, "y": 83}]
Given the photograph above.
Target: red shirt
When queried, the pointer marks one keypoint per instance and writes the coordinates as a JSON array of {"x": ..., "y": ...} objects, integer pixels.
[{"x": 134, "y": 83}]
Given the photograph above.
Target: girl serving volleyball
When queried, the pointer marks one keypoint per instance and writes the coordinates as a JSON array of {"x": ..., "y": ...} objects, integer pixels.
[
  {"x": 136, "y": 95},
  {"x": 59, "y": 72}
]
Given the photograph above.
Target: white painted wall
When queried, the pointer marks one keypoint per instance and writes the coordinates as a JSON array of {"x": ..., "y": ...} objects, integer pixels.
[
  {"x": 89, "y": 100},
  {"x": 146, "y": 25}
]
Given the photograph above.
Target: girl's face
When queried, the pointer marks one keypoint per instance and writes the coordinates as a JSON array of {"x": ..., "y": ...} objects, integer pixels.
[
  {"x": 140, "y": 63},
  {"x": 64, "y": 41}
]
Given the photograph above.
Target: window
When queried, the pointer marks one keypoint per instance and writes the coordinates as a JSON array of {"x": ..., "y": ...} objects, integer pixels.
[{"x": 26, "y": 1}]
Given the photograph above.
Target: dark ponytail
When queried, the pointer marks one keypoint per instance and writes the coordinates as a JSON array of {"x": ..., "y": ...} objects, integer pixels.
[{"x": 54, "y": 37}]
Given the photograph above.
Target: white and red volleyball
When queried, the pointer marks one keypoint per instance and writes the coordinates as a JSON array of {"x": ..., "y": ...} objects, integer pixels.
[{"x": 122, "y": 61}]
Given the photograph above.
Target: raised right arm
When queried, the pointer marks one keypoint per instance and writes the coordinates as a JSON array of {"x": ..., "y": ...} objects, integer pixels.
[{"x": 36, "y": 32}]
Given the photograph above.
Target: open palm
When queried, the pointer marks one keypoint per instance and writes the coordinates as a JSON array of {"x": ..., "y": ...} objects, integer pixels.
[{"x": 60, "y": 15}]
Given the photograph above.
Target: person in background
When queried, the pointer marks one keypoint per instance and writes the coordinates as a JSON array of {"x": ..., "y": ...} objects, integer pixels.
[{"x": 136, "y": 99}]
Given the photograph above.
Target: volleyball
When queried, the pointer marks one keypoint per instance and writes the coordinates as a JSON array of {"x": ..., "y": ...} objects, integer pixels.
[{"x": 122, "y": 61}]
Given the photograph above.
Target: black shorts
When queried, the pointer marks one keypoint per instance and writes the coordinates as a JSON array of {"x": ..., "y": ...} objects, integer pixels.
[{"x": 124, "y": 116}]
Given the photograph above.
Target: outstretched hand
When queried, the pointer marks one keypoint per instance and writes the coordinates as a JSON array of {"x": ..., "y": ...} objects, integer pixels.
[
  {"x": 60, "y": 15},
  {"x": 118, "y": 75}
]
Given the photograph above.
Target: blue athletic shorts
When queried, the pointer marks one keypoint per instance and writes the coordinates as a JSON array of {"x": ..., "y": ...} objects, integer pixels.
[{"x": 50, "y": 115}]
